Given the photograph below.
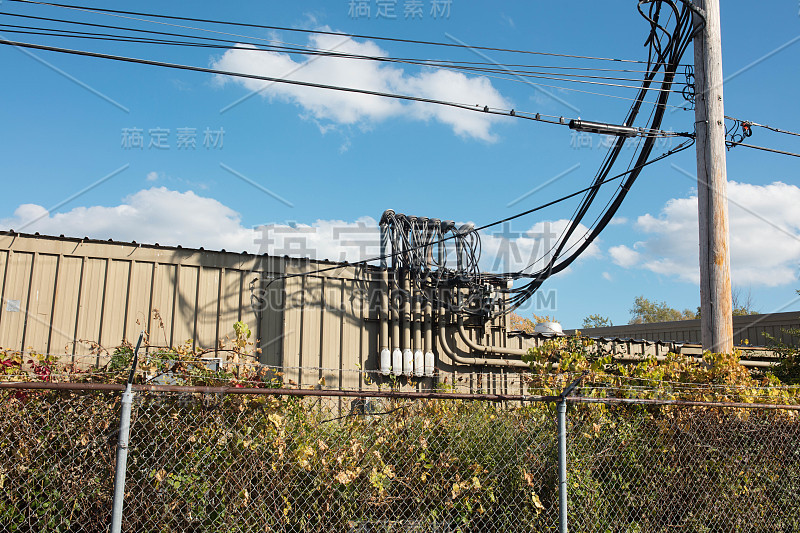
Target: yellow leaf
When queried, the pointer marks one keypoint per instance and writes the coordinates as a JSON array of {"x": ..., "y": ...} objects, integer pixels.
[
  {"x": 528, "y": 478},
  {"x": 537, "y": 503}
]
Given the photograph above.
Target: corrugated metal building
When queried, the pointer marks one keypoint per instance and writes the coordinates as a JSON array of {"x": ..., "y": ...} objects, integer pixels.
[
  {"x": 751, "y": 329},
  {"x": 65, "y": 295}
]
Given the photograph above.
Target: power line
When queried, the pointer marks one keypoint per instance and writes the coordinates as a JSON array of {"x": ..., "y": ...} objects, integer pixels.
[
  {"x": 150, "y": 62},
  {"x": 428, "y": 62},
  {"x": 166, "y": 42},
  {"x": 732, "y": 143},
  {"x": 520, "y": 75},
  {"x": 742, "y": 129},
  {"x": 112, "y": 12},
  {"x": 120, "y": 38},
  {"x": 436, "y": 63},
  {"x": 773, "y": 128},
  {"x": 475, "y": 108}
]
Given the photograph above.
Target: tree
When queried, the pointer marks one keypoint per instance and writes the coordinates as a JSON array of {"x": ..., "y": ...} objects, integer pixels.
[
  {"x": 596, "y": 321},
  {"x": 645, "y": 312},
  {"x": 742, "y": 303},
  {"x": 526, "y": 325}
]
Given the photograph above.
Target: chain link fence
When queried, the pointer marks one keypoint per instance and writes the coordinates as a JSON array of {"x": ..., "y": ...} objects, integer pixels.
[{"x": 261, "y": 461}]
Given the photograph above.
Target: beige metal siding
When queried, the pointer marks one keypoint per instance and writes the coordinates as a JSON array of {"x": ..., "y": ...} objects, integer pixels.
[
  {"x": 273, "y": 335},
  {"x": 208, "y": 307},
  {"x": 163, "y": 291},
  {"x": 312, "y": 336},
  {"x": 115, "y": 303},
  {"x": 230, "y": 302},
  {"x": 40, "y": 307},
  {"x": 293, "y": 327},
  {"x": 65, "y": 305},
  {"x": 139, "y": 299},
  {"x": 15, "y": 290},
  {"x": 76, "y": 295}
]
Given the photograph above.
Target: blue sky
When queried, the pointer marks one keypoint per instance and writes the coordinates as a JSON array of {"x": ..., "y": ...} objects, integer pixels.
[{"x": 313, "y": 159}]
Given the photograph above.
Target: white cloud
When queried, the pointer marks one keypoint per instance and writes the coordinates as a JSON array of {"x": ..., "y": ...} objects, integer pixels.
[
  {"x": 152, "y": 176},
  {"x": 150, "y": 215},
  {"x": 624, "y": 256},
  {"x": 764, "y": 236},
  {"x": 337, "y": 107},
  {"x": 607, "y": 276}
]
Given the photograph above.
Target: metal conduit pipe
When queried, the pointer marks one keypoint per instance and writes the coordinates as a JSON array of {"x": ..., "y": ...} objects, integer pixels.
[
  {"x": 397, "y": 354},
  {"x": 639, "y": 359},
  {"x": 428, "y": 367},
  {"x": 419, "y": 355},
  {"x": 480, "y": 348},
  {"x": 385, "y": 356},
  {"x": 497, "y": 350},
  {"x": 427, "y": 315},
  {"x": 408, "y": 355},
  {"x": 478, "y": 361},
  {"x": 385, "y": 353}
]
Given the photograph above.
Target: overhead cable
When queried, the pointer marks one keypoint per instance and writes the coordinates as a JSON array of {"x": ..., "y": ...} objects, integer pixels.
[
  {"x": 273, "y": 44},
  {"x": 475, "y": 108},
  {"x": 773, "y": 128},
  {"x": 764, "y": 148},
  {"x": 489, "y": 71},
  {"x": 317, "y": 32}
]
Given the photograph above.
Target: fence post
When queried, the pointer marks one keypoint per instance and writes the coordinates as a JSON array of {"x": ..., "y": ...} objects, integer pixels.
[
  {"x": 562, "y": 453},
  {"x": 562, "y": 465},
  {"x": 122, "y": 444}
]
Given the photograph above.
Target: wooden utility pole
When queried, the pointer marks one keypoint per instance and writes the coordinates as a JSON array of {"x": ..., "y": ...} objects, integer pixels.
[{"x": 716, "y": 319}]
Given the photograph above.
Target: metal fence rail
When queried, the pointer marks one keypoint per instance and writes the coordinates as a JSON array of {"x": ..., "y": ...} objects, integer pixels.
[{"x": 261, "y": 461}]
